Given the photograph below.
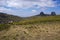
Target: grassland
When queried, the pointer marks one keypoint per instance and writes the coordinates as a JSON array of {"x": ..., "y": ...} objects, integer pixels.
[
  {"x": 39, "y": 19},
  {"x": 33, "y": 28}
]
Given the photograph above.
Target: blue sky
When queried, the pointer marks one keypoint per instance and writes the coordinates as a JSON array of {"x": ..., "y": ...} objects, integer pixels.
[{"x": 25, "y": 8}]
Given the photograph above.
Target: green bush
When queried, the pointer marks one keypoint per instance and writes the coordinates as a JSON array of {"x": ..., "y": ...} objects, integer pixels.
[{"x": 4, "y": 27}]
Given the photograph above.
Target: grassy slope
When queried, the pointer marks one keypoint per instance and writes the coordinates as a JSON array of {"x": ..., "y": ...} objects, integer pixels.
[
  {"x": 38, "y": 19},
  {"x": 34, "y": 28}
]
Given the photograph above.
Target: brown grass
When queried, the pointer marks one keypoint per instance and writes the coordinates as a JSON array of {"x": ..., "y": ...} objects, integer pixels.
[{"x": 42, "y": 31}]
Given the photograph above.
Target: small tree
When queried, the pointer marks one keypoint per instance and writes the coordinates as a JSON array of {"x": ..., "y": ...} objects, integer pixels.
[
  {"x": 53, "y": 13},
  {"x": 42, "y": 13}
]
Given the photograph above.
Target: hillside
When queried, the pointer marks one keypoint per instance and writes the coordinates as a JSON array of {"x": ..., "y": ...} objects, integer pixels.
[
  {"x": 32, "y": 28},
  {"x": 39, "y": 19},
  {"x": 6, "y": 18}
]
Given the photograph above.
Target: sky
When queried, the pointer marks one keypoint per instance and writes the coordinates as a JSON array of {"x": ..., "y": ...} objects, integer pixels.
[{"x": 26, "y": 8}]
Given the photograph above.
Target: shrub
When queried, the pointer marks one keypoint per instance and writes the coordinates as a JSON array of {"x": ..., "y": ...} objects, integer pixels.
[{"x": 4, "y": 27}]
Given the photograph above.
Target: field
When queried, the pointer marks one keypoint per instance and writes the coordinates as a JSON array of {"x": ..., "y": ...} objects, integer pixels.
[{"x": 32, "y": 28}]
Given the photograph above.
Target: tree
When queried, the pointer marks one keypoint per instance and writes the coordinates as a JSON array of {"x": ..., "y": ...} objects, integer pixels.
[
  {"x": 42, "y": 13},
  {"x": 53, "y": 13}
]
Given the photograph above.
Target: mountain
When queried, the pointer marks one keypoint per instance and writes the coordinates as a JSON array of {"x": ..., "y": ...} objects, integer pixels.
[{"x": 6, "y": 18}]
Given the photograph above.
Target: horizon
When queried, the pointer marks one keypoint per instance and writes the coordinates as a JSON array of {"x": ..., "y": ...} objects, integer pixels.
[{"x": 26, "y": 8}]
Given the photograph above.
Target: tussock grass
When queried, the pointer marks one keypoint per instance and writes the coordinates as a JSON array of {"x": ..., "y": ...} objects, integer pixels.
[{"x": 41, "y": 31}]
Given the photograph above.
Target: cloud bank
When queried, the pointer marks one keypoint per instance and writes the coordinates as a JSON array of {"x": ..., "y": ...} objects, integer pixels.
[
  {"x": 10, "y": 5},
  {"x": 28, "y": 3}
]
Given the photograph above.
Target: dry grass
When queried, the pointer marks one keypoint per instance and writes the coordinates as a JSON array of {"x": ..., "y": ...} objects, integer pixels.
[{"x": 41, "y": 31}]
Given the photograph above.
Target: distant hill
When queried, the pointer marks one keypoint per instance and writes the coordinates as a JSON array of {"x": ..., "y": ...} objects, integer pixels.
[{"x": 6, "y": 18}]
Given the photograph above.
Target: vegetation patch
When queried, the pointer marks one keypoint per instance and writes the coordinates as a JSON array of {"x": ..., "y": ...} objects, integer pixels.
[
  {"x": 4, "y": 27},
  {"x": 38, "y": 19}
]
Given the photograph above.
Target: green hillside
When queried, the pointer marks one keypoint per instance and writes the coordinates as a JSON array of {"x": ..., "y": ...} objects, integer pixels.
[{"x": 39, "y": 19}]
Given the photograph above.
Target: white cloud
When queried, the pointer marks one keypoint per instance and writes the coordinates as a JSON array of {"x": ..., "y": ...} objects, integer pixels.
[
  {"x": 24, "y": 4},
  {"x": 2, "y": 2},
  {"x": 2, "y": 9},
  {"x": 30, "y": 3},
  {"x": 34, "y": 11},
  {"x": 5, "y": 10}
]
